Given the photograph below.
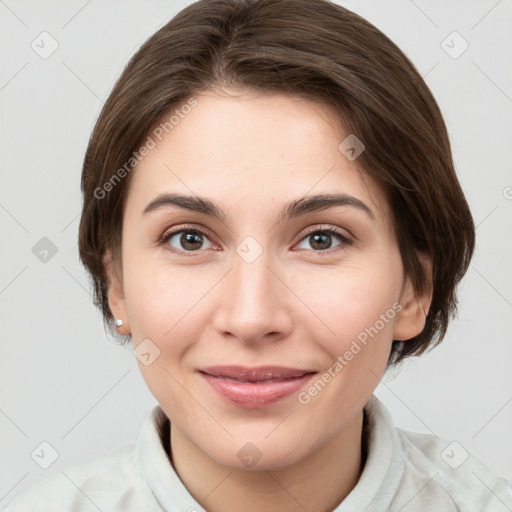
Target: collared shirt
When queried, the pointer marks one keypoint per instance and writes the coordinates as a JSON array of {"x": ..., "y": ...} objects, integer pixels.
[{"x": 403, "y": 472}]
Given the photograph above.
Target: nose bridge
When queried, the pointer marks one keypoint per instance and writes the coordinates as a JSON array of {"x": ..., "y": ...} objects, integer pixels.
[
  {"x": 253, "y": 281},
  {"x": 253, "y": 301}
]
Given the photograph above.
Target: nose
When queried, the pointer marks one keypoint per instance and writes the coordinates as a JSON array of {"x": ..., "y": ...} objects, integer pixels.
[{"x": 255, "y": 301}]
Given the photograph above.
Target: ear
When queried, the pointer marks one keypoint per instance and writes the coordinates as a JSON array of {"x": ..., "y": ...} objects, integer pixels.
[
  {"x": 116, "y": 299},
  {"x": 411, "y": 319}
]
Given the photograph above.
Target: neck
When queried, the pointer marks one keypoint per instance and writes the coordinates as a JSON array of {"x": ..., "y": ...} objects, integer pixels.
[{"x": 320, "y": 481}]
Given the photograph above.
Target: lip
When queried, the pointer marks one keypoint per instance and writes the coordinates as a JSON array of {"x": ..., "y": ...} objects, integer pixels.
[{"x": 255, "y": 387}]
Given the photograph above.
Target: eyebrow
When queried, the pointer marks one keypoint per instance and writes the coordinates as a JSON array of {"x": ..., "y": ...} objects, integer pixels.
[{"x": 293, "y": 209}]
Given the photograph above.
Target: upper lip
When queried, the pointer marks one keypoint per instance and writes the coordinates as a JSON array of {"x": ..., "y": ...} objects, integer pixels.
[{"x": 255, "y": 374}]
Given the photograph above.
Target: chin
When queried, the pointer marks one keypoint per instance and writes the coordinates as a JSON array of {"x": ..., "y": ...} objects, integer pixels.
[{"x": 260, "y": 455}]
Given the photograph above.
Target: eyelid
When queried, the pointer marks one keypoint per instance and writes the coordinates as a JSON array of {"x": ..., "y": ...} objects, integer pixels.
[{"x": 343, "y": 233}]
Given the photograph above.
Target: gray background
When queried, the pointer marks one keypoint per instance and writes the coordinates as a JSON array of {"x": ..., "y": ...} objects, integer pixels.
[{"x": 64, "y": 382}]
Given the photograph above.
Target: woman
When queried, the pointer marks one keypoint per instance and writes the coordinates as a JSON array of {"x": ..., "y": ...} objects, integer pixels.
[{"x": 271, "y": 216}]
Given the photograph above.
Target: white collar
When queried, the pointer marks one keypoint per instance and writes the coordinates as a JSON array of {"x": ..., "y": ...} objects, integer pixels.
[{"x": 378, "y": 484}]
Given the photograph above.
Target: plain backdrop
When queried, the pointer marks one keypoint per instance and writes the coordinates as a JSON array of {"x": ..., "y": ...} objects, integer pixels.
[{"x": 65, "y": 383}]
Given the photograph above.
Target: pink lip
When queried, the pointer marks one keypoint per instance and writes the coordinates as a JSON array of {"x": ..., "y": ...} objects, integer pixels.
[{"x": 255, "y": 387}]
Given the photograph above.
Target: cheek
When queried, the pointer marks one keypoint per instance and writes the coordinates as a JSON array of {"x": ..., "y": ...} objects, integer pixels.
[
  {"x": 155, "y": 306},
  {"x": 359, "y": 305},
  {"x": 167, "y": 303},
  {"x": 349, "y": 300},
  {"x": 151, "y": 303},
  {"x": 160, "y": 305},
  {"x": 360, "y": 312}
]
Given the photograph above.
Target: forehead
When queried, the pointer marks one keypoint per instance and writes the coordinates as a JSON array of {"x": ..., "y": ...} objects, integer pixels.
[{"x": 246, "y": 150}]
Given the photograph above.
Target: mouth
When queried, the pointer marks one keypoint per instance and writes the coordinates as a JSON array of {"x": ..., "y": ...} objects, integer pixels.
[
  {"x": 257, "y": 374},
  {"x": 255, "y": 387}
]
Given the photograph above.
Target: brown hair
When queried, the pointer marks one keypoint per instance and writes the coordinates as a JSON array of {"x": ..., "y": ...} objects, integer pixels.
[{"x": 317, "y": 50}]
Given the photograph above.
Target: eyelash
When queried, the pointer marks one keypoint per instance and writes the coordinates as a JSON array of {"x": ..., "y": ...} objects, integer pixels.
[{"x": 345, "y": 241}]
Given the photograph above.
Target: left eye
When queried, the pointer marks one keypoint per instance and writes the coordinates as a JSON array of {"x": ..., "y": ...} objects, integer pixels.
[{"x": 321, "y": 239}]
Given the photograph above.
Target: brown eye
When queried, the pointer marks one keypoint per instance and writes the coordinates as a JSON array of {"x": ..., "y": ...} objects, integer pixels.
[
  {"x": 186, "y": 240},
  {"x": 323, "y": 239}
]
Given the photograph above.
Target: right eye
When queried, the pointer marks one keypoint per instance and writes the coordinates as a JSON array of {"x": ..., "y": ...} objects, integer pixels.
[{"x": 186, "y": 240}]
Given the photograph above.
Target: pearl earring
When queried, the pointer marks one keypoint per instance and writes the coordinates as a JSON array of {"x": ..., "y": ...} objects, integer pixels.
[{"x": 119, "y": 322}]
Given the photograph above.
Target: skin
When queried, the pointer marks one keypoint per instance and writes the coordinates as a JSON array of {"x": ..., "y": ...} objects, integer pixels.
[{"x": 296, "y": 305}]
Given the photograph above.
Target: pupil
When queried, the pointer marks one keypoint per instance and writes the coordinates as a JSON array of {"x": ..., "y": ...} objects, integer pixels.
[
  {"x": 191, "y": 241},
  {"x": 317, "y": 241}
]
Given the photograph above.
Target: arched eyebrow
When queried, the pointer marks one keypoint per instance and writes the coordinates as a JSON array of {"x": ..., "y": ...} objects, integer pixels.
[{"x": 293, "y": 209}]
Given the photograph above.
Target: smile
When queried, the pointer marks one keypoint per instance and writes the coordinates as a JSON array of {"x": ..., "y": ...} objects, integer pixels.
[{"x": 255, "y": 387}]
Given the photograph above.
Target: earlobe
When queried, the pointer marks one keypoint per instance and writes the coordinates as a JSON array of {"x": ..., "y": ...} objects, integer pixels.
[
  {"x": 116, "y": 299},
  {"x": 415, "y": 306}
]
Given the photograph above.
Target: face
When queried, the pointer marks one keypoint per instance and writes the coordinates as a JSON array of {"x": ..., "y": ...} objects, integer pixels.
[{"x": 252, "y": 282}]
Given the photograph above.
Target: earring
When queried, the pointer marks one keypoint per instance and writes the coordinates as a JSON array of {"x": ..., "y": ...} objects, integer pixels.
[{"x": 119, "y": 322}]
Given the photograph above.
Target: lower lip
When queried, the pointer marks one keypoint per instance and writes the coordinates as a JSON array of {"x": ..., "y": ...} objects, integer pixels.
[{"x": 256, "y": 394}]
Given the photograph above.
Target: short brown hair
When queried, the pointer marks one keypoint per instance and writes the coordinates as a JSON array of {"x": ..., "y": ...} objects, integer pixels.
[{"x": 317, "y": 50}]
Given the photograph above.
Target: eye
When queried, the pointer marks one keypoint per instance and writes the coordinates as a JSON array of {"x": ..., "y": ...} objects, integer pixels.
[
  {"x": 321, "y": 239},
  {"x": 186, "y": 239},
  {"x": 191, "y": 239}
]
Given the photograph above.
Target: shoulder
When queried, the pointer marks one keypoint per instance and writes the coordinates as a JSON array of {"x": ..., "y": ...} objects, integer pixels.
[
  {"x": 439, "y": 471},
  {"x": 111, "y": 481}
]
